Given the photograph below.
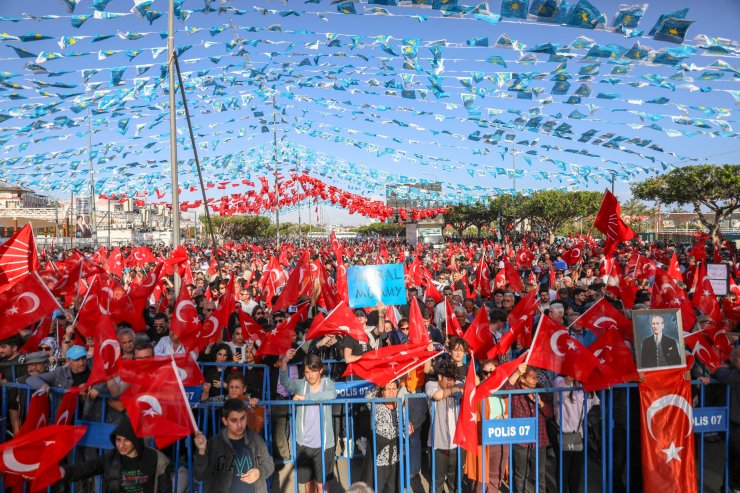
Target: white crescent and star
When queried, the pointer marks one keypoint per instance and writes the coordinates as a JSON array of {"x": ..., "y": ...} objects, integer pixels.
[
  {"x": 116, "y": 351},
  {"x": 665, "y": 401},
  {"x": 154, "y": 406},
  {"x": 180, "y": 306},
  {"x": 599, "y": 321},
  {"x": 63, "y": 418},
  {"x": 213, "y": 321},
  {"x": 34, "y": 301},
  {"x": 14, "y": 465},
  {"x": 554, "y": 341}
]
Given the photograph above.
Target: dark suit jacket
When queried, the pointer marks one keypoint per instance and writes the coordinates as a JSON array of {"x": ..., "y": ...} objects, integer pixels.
[{"x": 648, "y": 353}]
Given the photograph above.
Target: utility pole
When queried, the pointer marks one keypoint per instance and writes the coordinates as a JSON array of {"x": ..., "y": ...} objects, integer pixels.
[
  {"x": 173, "y": 129},
  {"x": 275, "y": 159},
  {"x": 613, "y": 174},
  {"x": 93, "y": 225}
]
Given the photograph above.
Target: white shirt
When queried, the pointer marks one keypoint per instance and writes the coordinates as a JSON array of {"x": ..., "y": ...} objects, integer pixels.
[{"x": 445, "y": 419}]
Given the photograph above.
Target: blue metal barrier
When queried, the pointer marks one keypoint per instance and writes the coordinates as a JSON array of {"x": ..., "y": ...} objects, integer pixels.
[{"x": 613, "y": 459}]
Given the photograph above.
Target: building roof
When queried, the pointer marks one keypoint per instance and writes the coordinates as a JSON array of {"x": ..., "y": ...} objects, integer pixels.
[
  {"x": 10, "y": 187},
  {"x": 692, "y": 216}
]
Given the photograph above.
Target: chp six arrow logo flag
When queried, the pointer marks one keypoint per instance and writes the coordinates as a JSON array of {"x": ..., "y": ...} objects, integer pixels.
[
  {"x": 609, "y": 221},
  {"x": 668, "y": 458},
  {"x": 22, "y": 456},
  {"x": 18, "y": 256},
  {"x": 25, "y": 302},
  {"x": 554, "y": 349}
]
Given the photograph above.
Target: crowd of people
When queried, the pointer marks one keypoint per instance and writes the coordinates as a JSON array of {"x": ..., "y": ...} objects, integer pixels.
[{"x": 438, "y": 280}]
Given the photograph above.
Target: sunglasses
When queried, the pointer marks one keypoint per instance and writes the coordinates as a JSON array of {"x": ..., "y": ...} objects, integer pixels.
[
  {"x": 45, "y": 348},
  {"x": 259, "y": 313},
  {"x": 485, "y": 372}
]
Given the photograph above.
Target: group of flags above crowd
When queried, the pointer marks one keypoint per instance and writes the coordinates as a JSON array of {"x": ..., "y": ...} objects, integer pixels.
[
  {"x": 94, "y": 285},
  {"x": 575, "y": 109}
]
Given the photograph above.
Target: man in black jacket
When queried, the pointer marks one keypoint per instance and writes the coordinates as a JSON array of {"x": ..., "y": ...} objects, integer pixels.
[
  {"x": 658, "y": 349},
  {"x": 130, "y": 466},
  {"x": 235, "y": 454}
]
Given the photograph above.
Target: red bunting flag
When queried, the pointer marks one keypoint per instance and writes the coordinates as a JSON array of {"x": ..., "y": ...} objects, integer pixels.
[{"x": 668, "y": 457}]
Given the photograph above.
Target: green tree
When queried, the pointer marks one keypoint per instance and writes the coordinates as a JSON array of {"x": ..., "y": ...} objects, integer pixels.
[
  {"x": 462, "y": 216},
  {"x": 238, "y": 227},
  {"x": 381, "y": 229},
  {"x": 634, "y": 213},
  {"x": 508, "y": 210},
  {"x": 716, "y": 188},
  {"x": 551, "y": 209}
]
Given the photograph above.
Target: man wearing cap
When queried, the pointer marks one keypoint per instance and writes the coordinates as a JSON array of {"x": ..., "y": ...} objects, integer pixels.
[
  {"x": 36, "y": 364},
  {"x": 64, "y": 377}
]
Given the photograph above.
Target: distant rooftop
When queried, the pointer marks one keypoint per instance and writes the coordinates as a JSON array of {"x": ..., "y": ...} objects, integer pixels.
[{"x": 10, "y": 187}]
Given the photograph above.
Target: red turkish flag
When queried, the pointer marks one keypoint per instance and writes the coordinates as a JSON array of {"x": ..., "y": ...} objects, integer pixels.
[
  {"x": 483, "y": 278},
  {"x": 43, "y": 329},
  {"x": 667, "y": 294},
  {"x": 140, "y": 292},
  {"x": 522, "y": 317},
  {"x": 272, "y": 278},
  {"x": 513, "y": 277},
  {"x": 18, "y": 256},
  {"x": 278, "y": 341},
  {"x": 674, "y": 270},
  {"x": 65, "y": 415},
  {"x": 466, "y": 431},
  {"x": 340, "y": 321},
  {"x": 616, "y": 362},
  {"x": 668, "y": 457},
  {"x": 452, "y": 326},
  {"x": 478, "y": 334},
  {"x": 114, "y": 264},
  {"x": 156, "y": 402},
  {"x": 573, "y": 256},
  {"x": 500, "y": 375},
  {"x": 328, "y": 296},
  {"x": 299, "y": 283},
  {"x": 554, "y": 349},
  {"x": 524, "y": 258},
  {"x": 213, "y": 325},
  {"x": 418, "y": 334},
  {"x": 23, "y": 303},
  {"x": 107, "y": 352},
  {"x": 387, "y": 363},
  {"x": 602, "y": 316},
  {"x": 21, "y": 455},
  {"x": 704, "y": 299},
  {"x": 250, "y": 328},
  {"x": 39, "y": 413},
  {"x": 639, "y": 266},
  {"x": 609, "y": 222},
  {"x": 342, "y": 284},
  {"x": 187, "y": 368},
  {"x": 68, "y": 284},
  {"x": 702, "y": 347},
  {"x": 185, "y": 323}
]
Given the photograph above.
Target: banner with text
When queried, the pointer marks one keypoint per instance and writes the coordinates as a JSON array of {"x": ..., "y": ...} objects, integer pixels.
[{"x": 368, "y": 284}]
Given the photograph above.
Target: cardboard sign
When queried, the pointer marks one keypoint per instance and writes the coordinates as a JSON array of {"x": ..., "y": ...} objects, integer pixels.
[
  {"x": 368, "y": 284},
  {"x": 719, "y": 277}
]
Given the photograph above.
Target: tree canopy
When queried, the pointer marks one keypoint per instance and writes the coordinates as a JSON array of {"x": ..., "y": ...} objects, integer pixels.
[
  {"x": 381, "y": 229},
  {"x": 550, "y": 209},
  {"x": 716, "y": 188}
]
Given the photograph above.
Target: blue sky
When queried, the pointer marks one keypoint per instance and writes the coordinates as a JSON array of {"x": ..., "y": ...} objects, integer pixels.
[{"x": 437, "y": 130}]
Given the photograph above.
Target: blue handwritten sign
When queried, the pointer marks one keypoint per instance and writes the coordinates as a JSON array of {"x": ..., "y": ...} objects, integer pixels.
[
  {"x": 368, "y": 284},
  {"x": 507, "y": 431},
  {"x": 353, "y": 389},
  {"x": 710, "y": 419}
]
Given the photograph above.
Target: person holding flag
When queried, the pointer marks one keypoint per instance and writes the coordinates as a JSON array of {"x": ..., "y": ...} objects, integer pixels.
[
  {"x": 129, "y": 466},
  {"x": 235, "y": 460}
]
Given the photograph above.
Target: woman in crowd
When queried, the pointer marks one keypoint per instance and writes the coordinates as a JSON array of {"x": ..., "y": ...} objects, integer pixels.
[{"x": 386, "y": 457}]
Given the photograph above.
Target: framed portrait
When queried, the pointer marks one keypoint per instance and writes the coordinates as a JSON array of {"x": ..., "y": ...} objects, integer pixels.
[{"x": 658, "y": 339}]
